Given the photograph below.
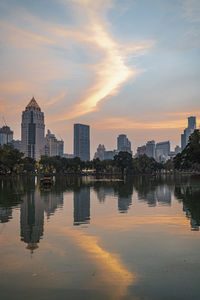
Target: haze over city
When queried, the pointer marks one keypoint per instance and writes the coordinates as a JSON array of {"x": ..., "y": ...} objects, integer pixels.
[{"x": 120, "y": 66}]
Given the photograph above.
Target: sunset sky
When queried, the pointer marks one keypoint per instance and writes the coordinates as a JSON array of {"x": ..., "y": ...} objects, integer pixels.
[{"x": 121, "y": 66}]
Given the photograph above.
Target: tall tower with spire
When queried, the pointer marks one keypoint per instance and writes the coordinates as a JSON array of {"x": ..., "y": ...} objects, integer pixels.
[{"x": 32, "y": 130}]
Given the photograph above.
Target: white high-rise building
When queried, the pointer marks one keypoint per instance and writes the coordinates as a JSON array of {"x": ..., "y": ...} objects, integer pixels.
[{"x": 32, "y": 131}]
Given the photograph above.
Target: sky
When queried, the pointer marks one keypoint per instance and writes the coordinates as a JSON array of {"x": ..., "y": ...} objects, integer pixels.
[{"x": 120, "y": 66}]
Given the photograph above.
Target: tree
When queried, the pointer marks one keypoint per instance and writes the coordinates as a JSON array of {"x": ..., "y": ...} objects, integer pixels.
[
  {"x": 10, "y": 158},
  {"x": 189, "y": 158},
  {"x": 123, "y": 160}
]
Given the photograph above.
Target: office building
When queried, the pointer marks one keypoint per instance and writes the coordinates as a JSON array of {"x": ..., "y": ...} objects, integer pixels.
[
  {"x": 150, "y": 149},
  {"x": 100, "y": 152},
  {"x": 6, "y": 135},
  {"x": 32, "y": 131},
  {"x": 53, "y": 147},
  {"x": 141, "y": 150},
  {"x": 82, "y": 141},
  {"x": 162, "y": 151},
  {"x": 123, "y": 143},
  {"x": 188, "y": 131},
  {"x": 192, "y": 122}
]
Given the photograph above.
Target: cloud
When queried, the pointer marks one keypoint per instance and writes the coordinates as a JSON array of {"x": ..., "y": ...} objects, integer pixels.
[
  {"x": 127, "y": 123},
  {"x": 56, "y": 99},
  {"x": 112, "y": 71},
  {"x": 111, "y": 271}
]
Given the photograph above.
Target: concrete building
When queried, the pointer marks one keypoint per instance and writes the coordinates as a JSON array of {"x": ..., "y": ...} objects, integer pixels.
[
  {"x": 53, "y": 147},
  {"x": 110, "y": 154},
  {"x": 100, "y": 152},
  {"x": 32, "y": 131},
  {"x": 150, "y": 149},
  {"x": 6, "y": 135},
  {"x": 141, "y": 150},
  {"x": 82, "y": 141},
  {"x": 123, "y": 143},
  {"x": 162, "y": 151}
]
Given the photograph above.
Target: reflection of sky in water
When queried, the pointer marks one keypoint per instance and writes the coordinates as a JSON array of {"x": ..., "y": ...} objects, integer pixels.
[{"x": 138, "y": 238}]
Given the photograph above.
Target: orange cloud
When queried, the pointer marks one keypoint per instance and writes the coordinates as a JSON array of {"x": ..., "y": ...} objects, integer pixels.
[
  {"x": 127, "y": 123},
  {"x": 115, "y": 276}
]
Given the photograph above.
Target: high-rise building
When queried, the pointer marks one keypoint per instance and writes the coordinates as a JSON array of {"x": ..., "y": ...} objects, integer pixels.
[
  {"x": 123, "y": 143},
  {"x": 150, "y": 149},
  {"x": 53, "y": 147},
  {"x": 188, "y": 131},
  {"x": 162, "y": 151},
  {"x": 82, "y": 141},
  {"x": 6, "y": 135},
  {"x": 192, "y": 122},
  {"x": 141, "y": 150},
  {"x": 32, "y": 130}
]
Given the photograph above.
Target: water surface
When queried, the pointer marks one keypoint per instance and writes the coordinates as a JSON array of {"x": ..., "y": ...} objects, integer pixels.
[{"x": 86, "y": 239}]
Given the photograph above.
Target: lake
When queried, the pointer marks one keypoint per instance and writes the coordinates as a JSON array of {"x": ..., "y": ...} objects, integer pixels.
[{"x": 90, "y": 239}]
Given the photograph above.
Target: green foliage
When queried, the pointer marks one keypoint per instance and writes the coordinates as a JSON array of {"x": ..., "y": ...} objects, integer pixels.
[
  {"x": 145, "y": 165},
  {"x": 123, "y": 161},
  {"x": 189, "y": 158},
  {"x": 10, "y": 158}
]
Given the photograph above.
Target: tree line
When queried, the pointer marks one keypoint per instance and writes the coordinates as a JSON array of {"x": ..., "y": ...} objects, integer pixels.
[{"x": 13, "y": 162}]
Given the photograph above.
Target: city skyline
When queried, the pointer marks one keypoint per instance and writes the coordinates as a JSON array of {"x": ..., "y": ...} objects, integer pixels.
[
  {"x": 34, "y": 143},
  {"x": 99, "y": 63}
]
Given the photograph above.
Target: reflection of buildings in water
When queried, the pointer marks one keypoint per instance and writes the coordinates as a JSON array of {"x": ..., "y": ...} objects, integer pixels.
[
  {"x": 52, "y": 201},
  {"x": 32, "y": 219},
  {"x": 194, "y": 225},
  {"x": 163, "y": 195},
  {"x": 101, "y": 195},
  {"x": 124, "y": 203},
  {"x": 82, "y": 206},
  {"x": 103, "y": 191},
  {"x": 151, "y": 198},
  {"x": 5, "y": 214}
]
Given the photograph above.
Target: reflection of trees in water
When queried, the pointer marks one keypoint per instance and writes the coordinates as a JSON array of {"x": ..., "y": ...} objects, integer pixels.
[
  {"x": 189, "y": 193},
  {"x": 153, "y": 190},
  {"x": 11, "y": 194}
]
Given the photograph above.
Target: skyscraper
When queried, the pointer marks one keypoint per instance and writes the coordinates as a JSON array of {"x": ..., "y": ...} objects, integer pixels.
[
  {"x": 53, "y": 147},
  {"x": 192, "y": 122},
  {"x": 162, "y": 151},
  {"x": 82, "y": 141},
  {"x": 32, "y": 130},
  {"x": 150, "y": 149},
  {"x": 6, "y": 135},
  {"x": 123, "y": 143},
  {"x": 188, "y": 131}
]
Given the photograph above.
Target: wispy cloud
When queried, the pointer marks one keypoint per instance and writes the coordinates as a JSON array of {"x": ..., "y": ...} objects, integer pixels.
[
  {"x": 127, "y": 123},
  {"x": 111, "y": 72}
]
